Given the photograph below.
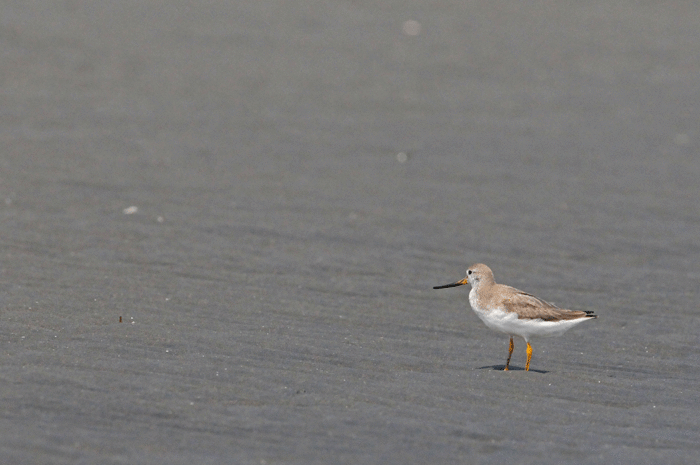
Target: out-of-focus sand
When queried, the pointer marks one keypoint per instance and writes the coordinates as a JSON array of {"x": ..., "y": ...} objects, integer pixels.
[{"x": 304, "y": 173}]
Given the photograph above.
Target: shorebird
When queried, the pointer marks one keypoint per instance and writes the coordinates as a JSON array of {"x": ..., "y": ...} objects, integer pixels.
[{"x": 516, "y": 313}]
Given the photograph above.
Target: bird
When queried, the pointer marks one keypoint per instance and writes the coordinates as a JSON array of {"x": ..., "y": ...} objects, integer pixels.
[{"x": 514, "y": 312}]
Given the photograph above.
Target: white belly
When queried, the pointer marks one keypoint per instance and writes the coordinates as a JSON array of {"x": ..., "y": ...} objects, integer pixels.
[{"x": 509, "y": 323}]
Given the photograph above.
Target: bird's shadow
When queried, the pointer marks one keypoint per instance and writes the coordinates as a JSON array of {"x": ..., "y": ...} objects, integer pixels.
[{"x": 510, "y": 368}]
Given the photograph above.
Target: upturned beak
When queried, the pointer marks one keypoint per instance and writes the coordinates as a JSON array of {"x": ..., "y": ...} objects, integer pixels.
[{"x": 455, "y": 284}]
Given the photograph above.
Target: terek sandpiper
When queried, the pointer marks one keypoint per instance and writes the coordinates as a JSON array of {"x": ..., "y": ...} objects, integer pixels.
[{"x": 516, "y": 313}]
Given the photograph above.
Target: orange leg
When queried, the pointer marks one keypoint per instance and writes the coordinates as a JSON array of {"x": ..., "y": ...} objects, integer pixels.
[
  {"x": 510, "y": 352},
  {"x": 529, "y": 356}
]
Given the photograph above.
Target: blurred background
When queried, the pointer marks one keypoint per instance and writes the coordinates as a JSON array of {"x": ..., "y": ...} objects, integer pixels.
[{"x": 266, "y": 191}]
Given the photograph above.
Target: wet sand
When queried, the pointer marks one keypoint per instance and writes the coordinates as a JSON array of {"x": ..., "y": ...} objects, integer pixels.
[{"x": 302, "y": 174}]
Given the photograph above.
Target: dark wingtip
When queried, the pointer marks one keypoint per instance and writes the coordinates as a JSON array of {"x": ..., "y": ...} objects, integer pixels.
[{"x": 590, "y": 314}]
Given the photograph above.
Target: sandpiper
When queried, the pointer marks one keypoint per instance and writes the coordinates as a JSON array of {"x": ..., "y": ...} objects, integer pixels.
[{"x": 516, "y": 313}]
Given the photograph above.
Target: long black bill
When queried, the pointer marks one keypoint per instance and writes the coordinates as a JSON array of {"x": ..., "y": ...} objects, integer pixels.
[{"x": 455, "y": 284}]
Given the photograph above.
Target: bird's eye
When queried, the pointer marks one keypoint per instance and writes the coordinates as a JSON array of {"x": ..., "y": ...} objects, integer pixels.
[{"x": 469, "y": 272}]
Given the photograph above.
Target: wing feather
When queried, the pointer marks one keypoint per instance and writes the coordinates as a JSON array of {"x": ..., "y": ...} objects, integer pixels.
[{"x": 528, "y": 306}]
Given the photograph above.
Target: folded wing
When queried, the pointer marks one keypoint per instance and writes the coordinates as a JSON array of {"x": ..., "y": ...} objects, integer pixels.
[{"x": 530, "y": 307}]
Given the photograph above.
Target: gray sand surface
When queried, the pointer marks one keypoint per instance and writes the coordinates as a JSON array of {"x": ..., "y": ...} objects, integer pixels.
[{"x": 303, "y": 173}]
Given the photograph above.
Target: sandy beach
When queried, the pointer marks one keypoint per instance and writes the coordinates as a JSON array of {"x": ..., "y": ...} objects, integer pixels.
[{"x": 265, "y": 194}]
